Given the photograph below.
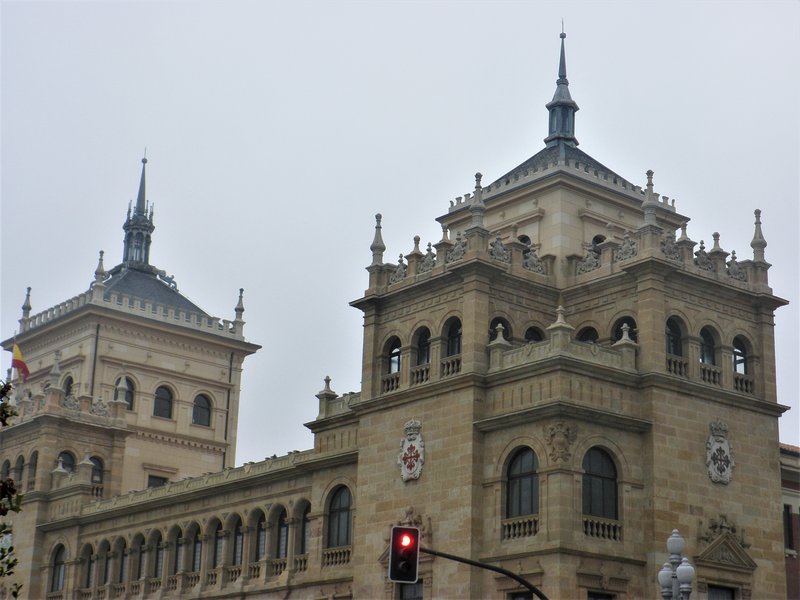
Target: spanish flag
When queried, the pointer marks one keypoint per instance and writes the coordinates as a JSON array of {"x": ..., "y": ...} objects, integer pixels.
[{"x": 18, "y": 363}]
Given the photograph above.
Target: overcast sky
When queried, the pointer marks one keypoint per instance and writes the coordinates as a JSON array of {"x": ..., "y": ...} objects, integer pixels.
[{"x": 275, "y": 131}]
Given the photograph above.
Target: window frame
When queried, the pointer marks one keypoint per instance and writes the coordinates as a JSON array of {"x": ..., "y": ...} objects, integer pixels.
[
  {"x": 163, "y": 402},
  {"x": 600, "y": 485},
  {"x": 339, "y": 518},
  {"x": 198, "y": 410},
  {"x": 518, "y": 482}
]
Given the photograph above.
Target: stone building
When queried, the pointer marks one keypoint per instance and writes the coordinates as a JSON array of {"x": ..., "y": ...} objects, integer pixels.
[{"x": 551, "y": 387}]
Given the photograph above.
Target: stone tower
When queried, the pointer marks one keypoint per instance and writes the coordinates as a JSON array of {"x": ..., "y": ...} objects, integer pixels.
[{"x": 131, "y": 386}]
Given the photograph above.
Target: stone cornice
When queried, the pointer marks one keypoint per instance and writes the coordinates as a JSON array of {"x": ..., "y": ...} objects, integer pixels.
[{"x": 564, "y": 410}]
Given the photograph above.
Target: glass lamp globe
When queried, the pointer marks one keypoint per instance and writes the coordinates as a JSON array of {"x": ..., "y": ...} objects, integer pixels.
[
  {"x": 665, "y": 576},
  {"x": 675, "y": 543},
  {"x": 685, "y": 572}
]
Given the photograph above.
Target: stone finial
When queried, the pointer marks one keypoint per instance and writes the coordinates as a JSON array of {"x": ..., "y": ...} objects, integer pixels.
[
  {"x": 478, "y": 177},
  {"x": 416, "y": 249},
  {"x": 650, "y": 203},
  {"x": 759, "y": 243},
  {"x": 326, "y": 393},
  {"x": 377, "y": 247},
  {"x": 99, "y": 272},
  {"x": 445, "y": 236},
  {"x": 26, "y": 305},
  {"x": 239, "y": 310},
  {"x": 560, "y": 322},
  {"x": 716, "y": 247},
  {"x": 684, "y": 225}
]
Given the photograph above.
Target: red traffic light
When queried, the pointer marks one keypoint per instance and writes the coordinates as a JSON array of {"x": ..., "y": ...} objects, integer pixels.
[{"x": 404, "y": 554}]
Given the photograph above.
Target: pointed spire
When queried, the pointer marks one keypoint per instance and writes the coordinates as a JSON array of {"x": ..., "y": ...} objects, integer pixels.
[
  {"x": 239, "y": 310},
  {"x": 26, "y": 305},
  {"x": 141, "y": 203},
  {"x": 759, "y": 243},
  {"x": 377, "y": 247},
  {"x": 99, "y": 272},
  {"x": 562, "y": 107}
]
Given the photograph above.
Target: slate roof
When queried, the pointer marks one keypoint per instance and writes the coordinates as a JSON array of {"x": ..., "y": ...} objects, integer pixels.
[
  {"x": 146, "y": 285},
  {"x": 550, "y": 155}
]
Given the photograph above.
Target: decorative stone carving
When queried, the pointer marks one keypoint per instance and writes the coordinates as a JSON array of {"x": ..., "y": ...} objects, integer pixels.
[
  {"x": 71, "y": 402},
  {"x": 531, "y": 261},
  {"x": 735, "y": 270},
  {"x": 458, "y": 250},
  {"x": 668, "y": 247},
  {"x": 428, "y": 262},
  {"x": 412, "y": 451},
  {"x": 560, "y": 437},
  {"x": 626, "y": 250},
  {"x": 588, "y": 263},
  {"x": 99, "y": 408},
  {"x": 168, "y": 279},
  {"x": 498, "y": 251},
  {"x": 702, "y": 260},
  {"x": 718, "y": 527},
  {"x": 719, "y": 453},
  {"x": 726, "y": 549},
  {"x": 399, "y": 271}
]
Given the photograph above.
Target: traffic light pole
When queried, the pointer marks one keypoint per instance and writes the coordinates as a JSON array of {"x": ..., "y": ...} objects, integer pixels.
[{"x": 530, "y": 587}]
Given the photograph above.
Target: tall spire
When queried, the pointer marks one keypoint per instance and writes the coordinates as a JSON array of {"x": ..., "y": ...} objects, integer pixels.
[
  {"x": 138, "y": 228},
  {"x": 562, "y": 107}
]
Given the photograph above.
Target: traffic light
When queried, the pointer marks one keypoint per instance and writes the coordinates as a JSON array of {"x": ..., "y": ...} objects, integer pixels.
[{"x": 404, "y": 554}]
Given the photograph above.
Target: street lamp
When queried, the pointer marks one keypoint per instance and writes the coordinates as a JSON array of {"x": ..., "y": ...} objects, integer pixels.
[{"x": 675, "y": 577}]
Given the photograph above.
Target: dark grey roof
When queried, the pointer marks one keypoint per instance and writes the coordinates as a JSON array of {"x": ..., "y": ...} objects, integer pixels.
[
  {"x": 147, "y": 285},
  {"x": 551, "y": 155}
]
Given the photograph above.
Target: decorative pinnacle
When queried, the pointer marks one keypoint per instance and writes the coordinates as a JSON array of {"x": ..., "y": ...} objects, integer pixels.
[
  {"x": 99, "y": 272},
  {"x": 759, "y": 243},
  {"x": 239, "y": 310},
  {"x": 478, "y": 177},
  {"x": 26, "y": 305},
  {"x": 141, "y": 207},
  {"x": 377, "y": 247}
]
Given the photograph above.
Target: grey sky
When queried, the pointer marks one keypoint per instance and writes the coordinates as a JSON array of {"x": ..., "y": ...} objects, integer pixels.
[{"x": 275, "y": 132}]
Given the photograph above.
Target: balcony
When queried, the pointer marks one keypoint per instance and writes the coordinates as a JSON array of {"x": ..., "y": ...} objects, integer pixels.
[
  {"x": 605, "y": 529},
  {"x": 520, "y": 527}
]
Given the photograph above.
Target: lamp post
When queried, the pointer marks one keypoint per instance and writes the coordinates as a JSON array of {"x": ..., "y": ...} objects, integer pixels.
[{"x": 675, "y": 577}]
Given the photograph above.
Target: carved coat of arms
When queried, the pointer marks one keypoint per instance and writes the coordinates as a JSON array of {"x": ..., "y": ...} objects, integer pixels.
[
  {"x": 412, "y": 451},
  {"x": 719, "y": 453}
]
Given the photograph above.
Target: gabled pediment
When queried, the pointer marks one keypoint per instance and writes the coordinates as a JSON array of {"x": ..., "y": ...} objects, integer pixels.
[{"x": 726, "y": 552}]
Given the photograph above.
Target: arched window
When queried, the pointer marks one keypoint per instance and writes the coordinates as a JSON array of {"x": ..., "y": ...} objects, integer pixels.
[
  {"x": 103, "y": 552},
  {"x": 261, "y": 538},
  {"x": 708, "y": 351},
  {"x": 305, "y": 531},
  {"x": 599, "y": 484},
  {"x": 58, "y": 567},
  {"x": 138, "y": 548},
  {"x": 493, "y": 329},
  {"x": 394, "y": 356},
  {"x": 632, "y": 330},
  {"x": 162, "y": 405},
  {"x": 67, "y": 461},
  {"x": 32, "y": 464},
  {"x": 674, "y": 338},
  {"x": 339, "y": 518},
  {"x": 588, "y": 335},
  {"x": 533, "y": 335},
  {"x": 67, "y": 387},
  {"x": 177, "y": 556},
  {"x": 453, "y": 336},
  {"x": 122, "y": 552},
  {"x": 90, "y": 558},
  {"x": 124, "y": 392},
  {"x": 740, "y": 356},
  {"x": 238, "y": 542},
  {"x": 5, "y": 470},
  {"x": 201, "y": 411},
  {"x": 19, "y": 466},
  {"x": 158, "y": 564},
  {"x": 522, "y": 484},
  {"x": 596, "y": 241},
  {"x": 197, "y": 550},
  {"x": 524, "y": 239},
  {"x": 423, "y": 346},
  {"x": 97, "y": 469},
  {"x": 217, "y": 537},
  {"x": 282, "y": 541}
]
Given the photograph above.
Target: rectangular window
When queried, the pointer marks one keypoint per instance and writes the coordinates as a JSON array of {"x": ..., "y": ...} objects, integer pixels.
[
  {"x": 599, "y": 596},
  {"x": 520, "y": 596},
  {"x": 788, "y": 528},
  {"x": 156, "y": 481},
  {"x": 198, "y": 552}
]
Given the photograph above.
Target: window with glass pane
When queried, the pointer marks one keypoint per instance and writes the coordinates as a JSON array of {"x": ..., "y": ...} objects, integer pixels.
[
  {"x": 599, "y": 484},
  {"x": 140, "y": 561},
  {"x": 218, "y": 545},
  {"x": 201, "y": 411},
  {"x": 673, "y": 338},
  {"x": 197, "y": 551},
  {"x": 106, "y": 567},
  {"x": 424, "y": 347},
  {"x": 283, "y": 536},
  {"x": 90, "y": 564},
  {"x": 123, "y": 564},
  {"x": 159, "y": 566},
  {"x": 97, "y": 469},
  {"x": 339, "y": 518},
  {"x": 716, "y": 592},
  {"x": 739, "y": 356},
  {"x": 59, "y": 559},
  {"x": 305, "y": 534},
  {"x": 394, "y": 356},
  {"x": 162, "y": 403},
  {"x": 67, "y": 461},
  {"x": 522, "y": 491},
  {"x": 177, "y": 564},
  {"x": 261, "y": 538},
  {"x": 707, "y": 349},
  {"x": 454, "y": 338},
  {"x": 238, "y": 543}
]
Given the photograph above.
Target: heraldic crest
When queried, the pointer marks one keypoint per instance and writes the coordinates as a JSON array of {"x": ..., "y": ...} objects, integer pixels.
[
  {"x": 412, "y": 451},
  {"x": 719, "y": 453}
]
